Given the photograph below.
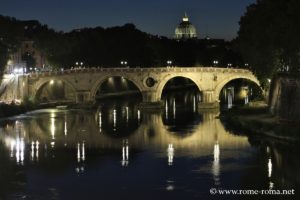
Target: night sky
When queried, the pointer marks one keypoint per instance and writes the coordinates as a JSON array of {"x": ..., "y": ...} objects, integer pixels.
[{"x": 213, "y": 18}]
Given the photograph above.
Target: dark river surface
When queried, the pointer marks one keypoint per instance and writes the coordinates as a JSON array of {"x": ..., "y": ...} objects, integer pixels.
[{"x": 118, "y": 151}]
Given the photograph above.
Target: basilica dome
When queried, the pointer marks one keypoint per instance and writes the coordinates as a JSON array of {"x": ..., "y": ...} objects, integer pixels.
[{"x": 185, "y": 30}]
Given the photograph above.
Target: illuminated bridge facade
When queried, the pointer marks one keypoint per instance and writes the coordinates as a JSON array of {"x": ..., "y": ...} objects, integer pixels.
[{"x": 83, "y": 84}]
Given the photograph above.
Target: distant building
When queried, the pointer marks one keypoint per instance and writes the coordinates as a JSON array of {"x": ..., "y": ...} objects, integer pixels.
[
  {"x": 19, "y": 60},
  {"x": 27, "y": 57},
  {"x": 185, "y": 30}
]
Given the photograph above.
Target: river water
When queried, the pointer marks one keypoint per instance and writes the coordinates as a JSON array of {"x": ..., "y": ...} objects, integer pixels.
[{"x": 118, "y": 151}]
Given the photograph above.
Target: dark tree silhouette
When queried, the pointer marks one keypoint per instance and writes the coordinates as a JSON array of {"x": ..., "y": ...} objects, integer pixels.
[{"x": 269, "y": 36}]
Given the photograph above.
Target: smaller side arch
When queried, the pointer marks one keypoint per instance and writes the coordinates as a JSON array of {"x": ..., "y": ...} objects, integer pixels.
[
  {"x": 39, "y": 85},
  {"x": 100, "y": 81},
  {"x": 221, "y": 84}
]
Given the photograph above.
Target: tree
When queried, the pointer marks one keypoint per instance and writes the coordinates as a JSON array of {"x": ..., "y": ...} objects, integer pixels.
[
  {"x": 268, "y": 38},
  {"x": 11, "y": 34}
]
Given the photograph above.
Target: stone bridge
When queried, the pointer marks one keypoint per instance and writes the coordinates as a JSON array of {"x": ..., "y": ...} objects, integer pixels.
[{"x": 84, "y": 83}]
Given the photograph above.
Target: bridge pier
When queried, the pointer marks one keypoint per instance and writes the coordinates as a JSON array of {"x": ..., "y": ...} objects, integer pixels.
[
  {"x": 151, "y": 100},
  {"x": 83, "y": 97},
  {"x": 209, "y": 100}
]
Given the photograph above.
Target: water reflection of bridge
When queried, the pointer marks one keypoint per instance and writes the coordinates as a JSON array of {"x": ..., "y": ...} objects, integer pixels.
[
  {"x": 66, "y": 131},
  {"x": 32, "y": 138}
]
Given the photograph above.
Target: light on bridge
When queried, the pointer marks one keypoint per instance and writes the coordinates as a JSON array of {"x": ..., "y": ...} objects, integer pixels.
[
  {"x": 169, "y": 62},
  {"x": 115, "y": 119},
  {"x": 124, "y": 63},
  {"x": 215, "y": 62},
  {"x": 216, "y": 164},
  {"x": 125, "y": 154}
]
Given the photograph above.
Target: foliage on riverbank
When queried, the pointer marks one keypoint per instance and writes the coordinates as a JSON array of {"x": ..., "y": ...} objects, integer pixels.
[
  {"x": 8, "y": 110},
  {"x": 258, "y": 120}
]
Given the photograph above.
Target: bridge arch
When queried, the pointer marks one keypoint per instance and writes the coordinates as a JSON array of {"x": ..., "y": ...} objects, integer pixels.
[
  {"x": 222, "y": 83},
  {"x": 40, "y": 86},
  {"x": 167, "y": 78},
  {"x": 97, "y": 85}
]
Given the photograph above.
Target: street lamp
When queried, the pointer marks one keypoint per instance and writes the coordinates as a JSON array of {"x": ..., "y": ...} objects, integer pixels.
[
  {"x": 79, "y": 64},
  {"x": 169, "y": 63},
  {"x": 124, "y": 63},
  {"x": 215, "y": 62},
  {"x": 229, "y": 65}
]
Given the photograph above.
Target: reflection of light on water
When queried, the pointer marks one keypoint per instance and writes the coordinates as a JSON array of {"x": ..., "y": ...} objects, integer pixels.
[
  {"x": 12, "y": 146},
  {"x": 22, "y": 147},
  {"x": 139, "y": 115},
  {"x": 216, "y": 164},
  {"x": 229, "y": 100},
  {"x": 80, "y": 157},
  {"x": 127, "y": 114},
  {"x": 166, "y": 108},
  {"x": 194, "y": 104},
  {"x": 269, "y": 168},
  {"x": 170, "y": 185},
  {"x": 268, "y": 149},
  {"x": 247, "y": 99},
  {"x": 174, "y": 109},
  {"x": 78, "y": 152},
  {"x": 52, "y": 144},
  {"x": 100, "y": 122},
  {"x": 271, "y": 185},
  {"x": 32, "y": 150},
  {"x": 114, "y": 119},
  {"x": 35, "y": 150},
  {"x": 79, "y": 169},
  {"x": 83, "y": 152},
  {"x": 216, "y": 151},
  {"x": 125, "y": 154},
  {"x": 65, "y": 129},
  {"x": 170, "y": 154},
  {"x": 18, "y": 146},
  {"x": 52, "y": 126}
]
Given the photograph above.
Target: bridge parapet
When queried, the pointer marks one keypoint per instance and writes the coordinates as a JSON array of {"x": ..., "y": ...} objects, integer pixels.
[{"x": 134, "y": 70}]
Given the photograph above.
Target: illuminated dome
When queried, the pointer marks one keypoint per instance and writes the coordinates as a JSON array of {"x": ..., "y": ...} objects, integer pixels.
[{"x": 185, "y": 30}]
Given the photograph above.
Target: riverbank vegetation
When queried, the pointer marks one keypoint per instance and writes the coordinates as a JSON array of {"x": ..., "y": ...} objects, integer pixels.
[
  {"x": 255, "y": 119},
  {"x": 8, "y": 110},
  {"x": 268, "y": 38}
]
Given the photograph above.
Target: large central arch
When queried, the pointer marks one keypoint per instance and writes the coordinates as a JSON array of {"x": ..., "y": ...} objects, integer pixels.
[
  {"x": 221, "y": 84},
  {"x": 166, "y": 79}
]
